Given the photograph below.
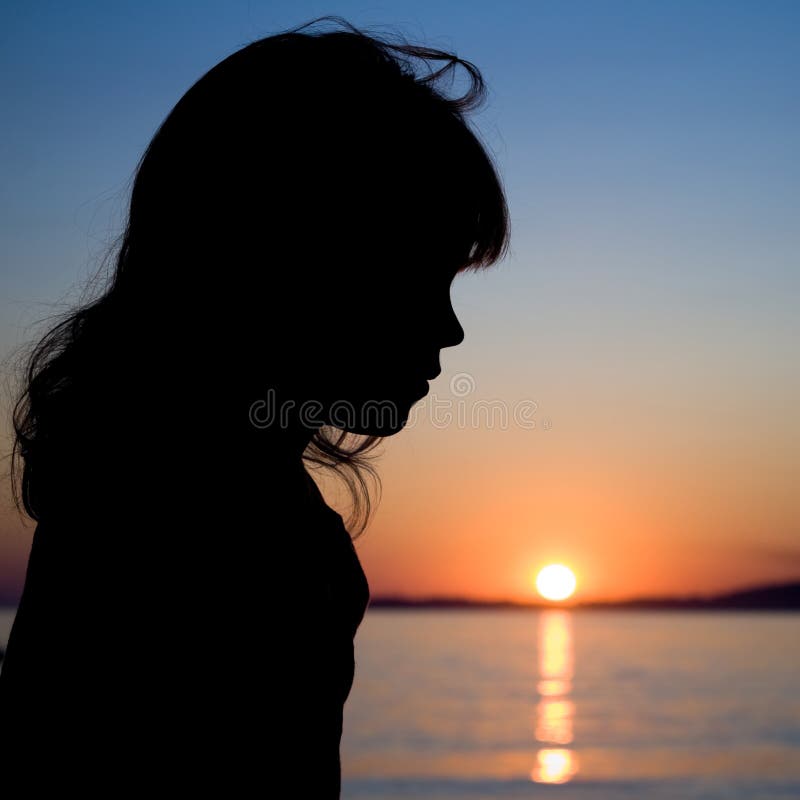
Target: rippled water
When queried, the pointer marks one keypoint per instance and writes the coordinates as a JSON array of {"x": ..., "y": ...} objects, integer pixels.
[
  {"x": 526, "y": 704},
  {"x": 572, "y": 705}
]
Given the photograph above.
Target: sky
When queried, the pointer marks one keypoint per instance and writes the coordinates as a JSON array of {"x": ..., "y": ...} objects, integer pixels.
[{"x": 640, "y": 338}]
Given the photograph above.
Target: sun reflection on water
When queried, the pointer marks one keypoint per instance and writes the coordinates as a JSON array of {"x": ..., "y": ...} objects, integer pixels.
[
  {"x": 555, "y": 711},
  {"x": 554, "y": 766}
]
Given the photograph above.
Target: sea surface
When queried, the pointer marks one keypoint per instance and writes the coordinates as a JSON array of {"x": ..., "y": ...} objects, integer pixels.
[{"x": 574, "y": 705}]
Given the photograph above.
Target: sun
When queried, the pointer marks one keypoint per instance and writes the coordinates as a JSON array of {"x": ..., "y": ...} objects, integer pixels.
[{"x": 556, "y": 582}]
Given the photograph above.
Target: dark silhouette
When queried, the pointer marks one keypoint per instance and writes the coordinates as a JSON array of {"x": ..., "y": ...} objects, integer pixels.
[{"x": 279, "y": 297}]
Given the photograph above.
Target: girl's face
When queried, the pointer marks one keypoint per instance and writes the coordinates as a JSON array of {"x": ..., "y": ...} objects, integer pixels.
[
  {"x": 384, "y": 347},
  {"x": 367, "y": 303}
]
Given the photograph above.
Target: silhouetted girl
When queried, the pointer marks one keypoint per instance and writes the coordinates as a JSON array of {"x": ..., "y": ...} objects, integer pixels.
[{"x": 279, "y": 299}]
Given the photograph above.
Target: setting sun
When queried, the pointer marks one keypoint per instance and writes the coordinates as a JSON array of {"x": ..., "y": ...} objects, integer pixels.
[{"x": 555, "y": 582}]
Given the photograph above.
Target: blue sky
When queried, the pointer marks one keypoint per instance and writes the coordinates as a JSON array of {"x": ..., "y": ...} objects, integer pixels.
[{"x": 629, "y": 134}]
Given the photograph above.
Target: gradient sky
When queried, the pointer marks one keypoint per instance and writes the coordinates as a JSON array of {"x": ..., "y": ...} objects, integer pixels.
[{"x": 648, "y": 307}]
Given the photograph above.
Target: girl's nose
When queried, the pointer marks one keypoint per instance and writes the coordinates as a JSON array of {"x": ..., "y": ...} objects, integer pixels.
[{"x": 452, "y": 332}]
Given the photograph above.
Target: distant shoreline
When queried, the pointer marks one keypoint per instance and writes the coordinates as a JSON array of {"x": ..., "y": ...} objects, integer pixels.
[{"x": 781, "y": 597}]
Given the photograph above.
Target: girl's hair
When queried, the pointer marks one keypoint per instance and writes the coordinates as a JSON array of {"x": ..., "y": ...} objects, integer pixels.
[{"x": 224, "y": 177}]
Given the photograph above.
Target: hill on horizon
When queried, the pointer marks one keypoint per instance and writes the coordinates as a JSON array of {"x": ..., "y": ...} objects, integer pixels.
[{"x": 771, "y": 597}]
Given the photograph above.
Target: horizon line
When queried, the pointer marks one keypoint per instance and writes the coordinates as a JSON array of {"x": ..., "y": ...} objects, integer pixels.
[{"x": 699, "y": 600}]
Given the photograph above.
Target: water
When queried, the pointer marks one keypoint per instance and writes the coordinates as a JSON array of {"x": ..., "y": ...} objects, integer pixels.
[
  {"x": 574, "y": 705},
  {"x": 505, "y": 705}
]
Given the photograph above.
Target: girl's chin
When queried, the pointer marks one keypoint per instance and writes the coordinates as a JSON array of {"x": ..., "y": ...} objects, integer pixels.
[{"x": 383, "y": 419}]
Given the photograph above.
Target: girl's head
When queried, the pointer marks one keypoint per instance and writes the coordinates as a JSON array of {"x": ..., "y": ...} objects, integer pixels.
[{"x": 295, "y": 225}]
